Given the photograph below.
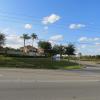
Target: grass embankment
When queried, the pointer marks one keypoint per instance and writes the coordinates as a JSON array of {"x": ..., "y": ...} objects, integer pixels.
[{"x": 36, "y": 63}]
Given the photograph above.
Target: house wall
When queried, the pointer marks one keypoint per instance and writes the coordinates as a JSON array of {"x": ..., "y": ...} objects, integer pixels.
[
  {"x": 14, "y": 52},
  {"x": 10, "y": 52},
  {"x": 1, "y": 51}
]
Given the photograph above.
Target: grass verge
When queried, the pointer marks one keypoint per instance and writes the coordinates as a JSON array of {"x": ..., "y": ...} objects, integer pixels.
[{"x": 35, "y": 63}]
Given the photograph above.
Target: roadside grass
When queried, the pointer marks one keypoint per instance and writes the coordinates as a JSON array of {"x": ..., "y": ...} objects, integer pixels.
[{"x": 35, "y": 63}]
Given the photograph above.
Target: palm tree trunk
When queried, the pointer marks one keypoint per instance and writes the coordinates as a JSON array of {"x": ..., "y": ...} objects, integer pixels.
[{"x": 24, "y": 42}]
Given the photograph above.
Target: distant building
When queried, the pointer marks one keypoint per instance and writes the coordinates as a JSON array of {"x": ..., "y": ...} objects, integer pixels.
[
  {"x": 40, "y": 52},
  {"x": 29, "y": 50},
  {"x": 8, "y": 50}
]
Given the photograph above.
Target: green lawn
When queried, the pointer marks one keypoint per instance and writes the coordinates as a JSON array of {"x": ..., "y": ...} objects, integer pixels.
[{"x": 36, "y": 63}]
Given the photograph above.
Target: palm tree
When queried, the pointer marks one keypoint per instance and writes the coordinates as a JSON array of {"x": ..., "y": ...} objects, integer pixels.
[
  {"x": 25, "y": 37},
  {"x": 70, "y": 50},
  {"x": 58, "y": 49},
  {"x": 2, "y": 39},
  {"x": 33, "y": 36}
]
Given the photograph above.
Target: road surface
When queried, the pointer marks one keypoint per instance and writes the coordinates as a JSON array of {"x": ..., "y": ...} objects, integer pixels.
[{"x": 23, "y": 84}]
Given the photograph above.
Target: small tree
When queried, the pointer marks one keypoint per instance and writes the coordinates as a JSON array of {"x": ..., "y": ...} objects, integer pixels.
[
  {"x": 46, "y": 46},
  {"x": 25, "y": 37},
  {"x": 33, "y": 36},
  {"x": 2, "y": 39},
  {"x": 58, "y": 49},
  {"x": 70, "y": 50}
]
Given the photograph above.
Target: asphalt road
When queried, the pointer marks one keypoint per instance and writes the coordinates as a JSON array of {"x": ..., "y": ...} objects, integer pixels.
[
  {"x": 19, "y": 84},
  {"x": 93, "y": 69},
  {"x": 50, "y": 91}
]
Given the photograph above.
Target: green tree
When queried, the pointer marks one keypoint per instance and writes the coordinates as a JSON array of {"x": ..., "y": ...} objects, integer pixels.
[
  {"x": 2, "y": 39},
  {"x": 70, "y": 50},
  {"x": 58, "y": 49},
  {"x": 25, "y": 37},
  {"x": 33, "y": 36},
  {"x": 46, "y": 46}
]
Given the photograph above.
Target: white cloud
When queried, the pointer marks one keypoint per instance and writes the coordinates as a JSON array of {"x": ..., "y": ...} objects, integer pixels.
[
  {"x": 5, "y": 31},
  {"x": 96, "y": 39},
  {"x": 56, "y": 38},
  {"x": 89, "y": 49},
  {"x": 86, "y": 39},
  {"x": 97, "y": 44},
  {"x": 50, "y": 19},
  {"x": 28, "y": 26},
  {"x": 82, "y": 39},
  {"x": 76, "y": 26},
  {"x": 14, "y": 41},
  {"x": 83, "y": 46},
  {"x": 52, "y": 42}
]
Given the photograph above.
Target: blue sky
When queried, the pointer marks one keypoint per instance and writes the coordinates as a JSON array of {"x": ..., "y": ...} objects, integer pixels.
[{"x": 58, "y": 21}]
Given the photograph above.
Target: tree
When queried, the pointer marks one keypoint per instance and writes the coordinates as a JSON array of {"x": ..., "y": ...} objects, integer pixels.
[
  {"x": 46, "y": 46},
  {"x": 33, "y": 36},
  {"x": 70, "y": 50},
  {"x": 25, "y": 37},
  {"x": 58, "y": 49},
  {"x": 2, "y": 39}
]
